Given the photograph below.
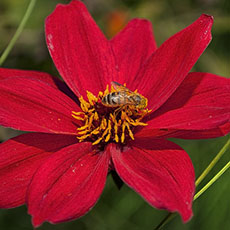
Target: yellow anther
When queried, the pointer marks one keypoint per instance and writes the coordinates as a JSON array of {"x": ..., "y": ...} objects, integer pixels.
[
  {"x": 90, "y": 111},
  {"x": 109, "y": 124},
  {"x": 78, "y": 113},
  {"x": 101, "y": 124},
  {"x": 100, "y": 94},
  {"x": 113, "y": 117},
  {"x": 141, "y": 123},
  {"x": 84, "y": 105},
  {"x": 83, "y": 132},
  {"x": 97, "y": 141},
  {"x": 95, "y": 131},
  {"x": 91, "y": 120},
  {"x": 116, "y": 138},
  {"x": 78, "y": 118},
  {"x": 130, "y": 132},
  {"x": 109, "y": 131},
  {"x": 123, "y": 132},
  {"x": 105, "y": 132},
  {"x": 91, "y": 98},
  {"x": 96, "y": 117},
  {"x": 107, "y": 137},
  {"x": 82, "y": 138},
  {"x": 84, "y": 126},
  {"x": 106, "y": 91},
  {"x": 137, "y": 122}
]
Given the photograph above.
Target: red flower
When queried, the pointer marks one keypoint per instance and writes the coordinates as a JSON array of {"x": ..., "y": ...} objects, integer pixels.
[{"x": 60, "y": 177}]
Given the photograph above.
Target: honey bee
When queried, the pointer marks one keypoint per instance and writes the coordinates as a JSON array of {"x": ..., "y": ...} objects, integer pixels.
[{"x": 123, "y": 96}]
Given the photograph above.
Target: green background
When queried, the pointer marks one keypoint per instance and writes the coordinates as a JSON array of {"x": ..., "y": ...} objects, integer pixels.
[{"x": 125, "y": 209}]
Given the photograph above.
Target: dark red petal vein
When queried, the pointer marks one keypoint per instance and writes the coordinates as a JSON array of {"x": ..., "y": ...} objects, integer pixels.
[
  {"x": 222, "y": 130},
  {"x": 79, "y": 50},
  {"x": 33, "y": 105},
  {"x": 169, "y": 65},
  {"x": 41, "y": 76},
  {"x": 68, "y": 184},
  {"x": 45, "y": 77},
  {"x": 201, "y": 103},
  {"x": 160, "y": 171},
  {"x": 132, "y": 47},
  {"x": 19, "y": 159}
]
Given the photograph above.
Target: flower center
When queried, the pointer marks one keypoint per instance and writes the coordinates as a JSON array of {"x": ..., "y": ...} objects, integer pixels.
[{"x": 111, "y": 116}]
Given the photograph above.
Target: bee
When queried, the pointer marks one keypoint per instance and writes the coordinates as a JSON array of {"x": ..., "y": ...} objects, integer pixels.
[{"x": 123, "y": 96}]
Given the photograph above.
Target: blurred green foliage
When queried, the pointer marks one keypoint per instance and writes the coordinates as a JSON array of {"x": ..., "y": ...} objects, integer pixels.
[{"x": 124, "y": 209}]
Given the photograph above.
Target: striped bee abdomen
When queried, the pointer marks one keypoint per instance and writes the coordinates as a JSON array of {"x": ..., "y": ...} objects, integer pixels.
[
  {"x": 123, "y": 97},
  {"x": 112, "y": 99}
]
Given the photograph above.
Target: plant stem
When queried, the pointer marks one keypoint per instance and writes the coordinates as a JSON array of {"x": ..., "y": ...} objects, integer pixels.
[
  {"x": 170, "y": 216},
  {"x": 214, "y": 179},
  {"x": 18, "y": 31},
  {"x": 213, "y": 163}
]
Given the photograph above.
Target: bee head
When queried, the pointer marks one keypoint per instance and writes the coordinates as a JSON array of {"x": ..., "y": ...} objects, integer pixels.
[{"x": 142, "y": 102}]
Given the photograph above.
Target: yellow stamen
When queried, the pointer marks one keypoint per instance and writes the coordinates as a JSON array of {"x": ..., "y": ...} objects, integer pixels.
[
  {"x": 123, "y": 132},
  {"x": 84, "y": 105},
  {"x": 78, "y": 118},
  {"x": 106, "y": 91},
  {"x": 82, "y": 137},
  {"x": 78, "y": 113},
  {"x": 97, "y": 141},
  {"x": 96, "y": 117},
  {"x": 83, "y": 132},
  {"x": 83, "y": 127},
  {"x": 91, "y": 98},
  {"x": 90, "y": 120},
  {"x": 95, "y": 131},
  {"x": 102, "y": 124},
  {"x": 100, "y": 94},
  {"x": 109, "y": 131}
]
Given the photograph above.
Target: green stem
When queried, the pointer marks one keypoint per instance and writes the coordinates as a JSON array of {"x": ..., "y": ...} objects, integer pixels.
[
  {"x": 213, "y": 163},
  {"x": 170, "y": 216},
  {"x": 18, "y": 32},
  {"x": 214, "y": 179}
]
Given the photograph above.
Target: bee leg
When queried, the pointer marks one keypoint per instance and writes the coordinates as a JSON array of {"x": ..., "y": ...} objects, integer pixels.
[{"x": 116, "y": 111}]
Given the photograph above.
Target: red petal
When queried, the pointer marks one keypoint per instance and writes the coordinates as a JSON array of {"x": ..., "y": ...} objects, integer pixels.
[
  {"x": 223, "y": 130},
  {"x": 79, "y": 50},
  {"x": 45, "y": 77},
  {"x": 169, "y": 65},
  {"x": 33, "y": 105},
  {"x": 201, "y": 103},
  {"x": 68, "y": 184},
  {"x": 132, "y": 47},
  {"x": 41, "y": 76},
  {"x": 20, "y": 158},
  {"x": 191, "y": 118},
  {"x": 160, "y": 171}
]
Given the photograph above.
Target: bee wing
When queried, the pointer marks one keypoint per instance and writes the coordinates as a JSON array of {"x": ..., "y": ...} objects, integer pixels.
[{"x": 119, "y": 87}]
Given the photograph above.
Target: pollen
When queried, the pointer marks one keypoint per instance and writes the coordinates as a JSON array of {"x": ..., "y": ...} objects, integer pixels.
[{"x": 104, "y": 122}]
